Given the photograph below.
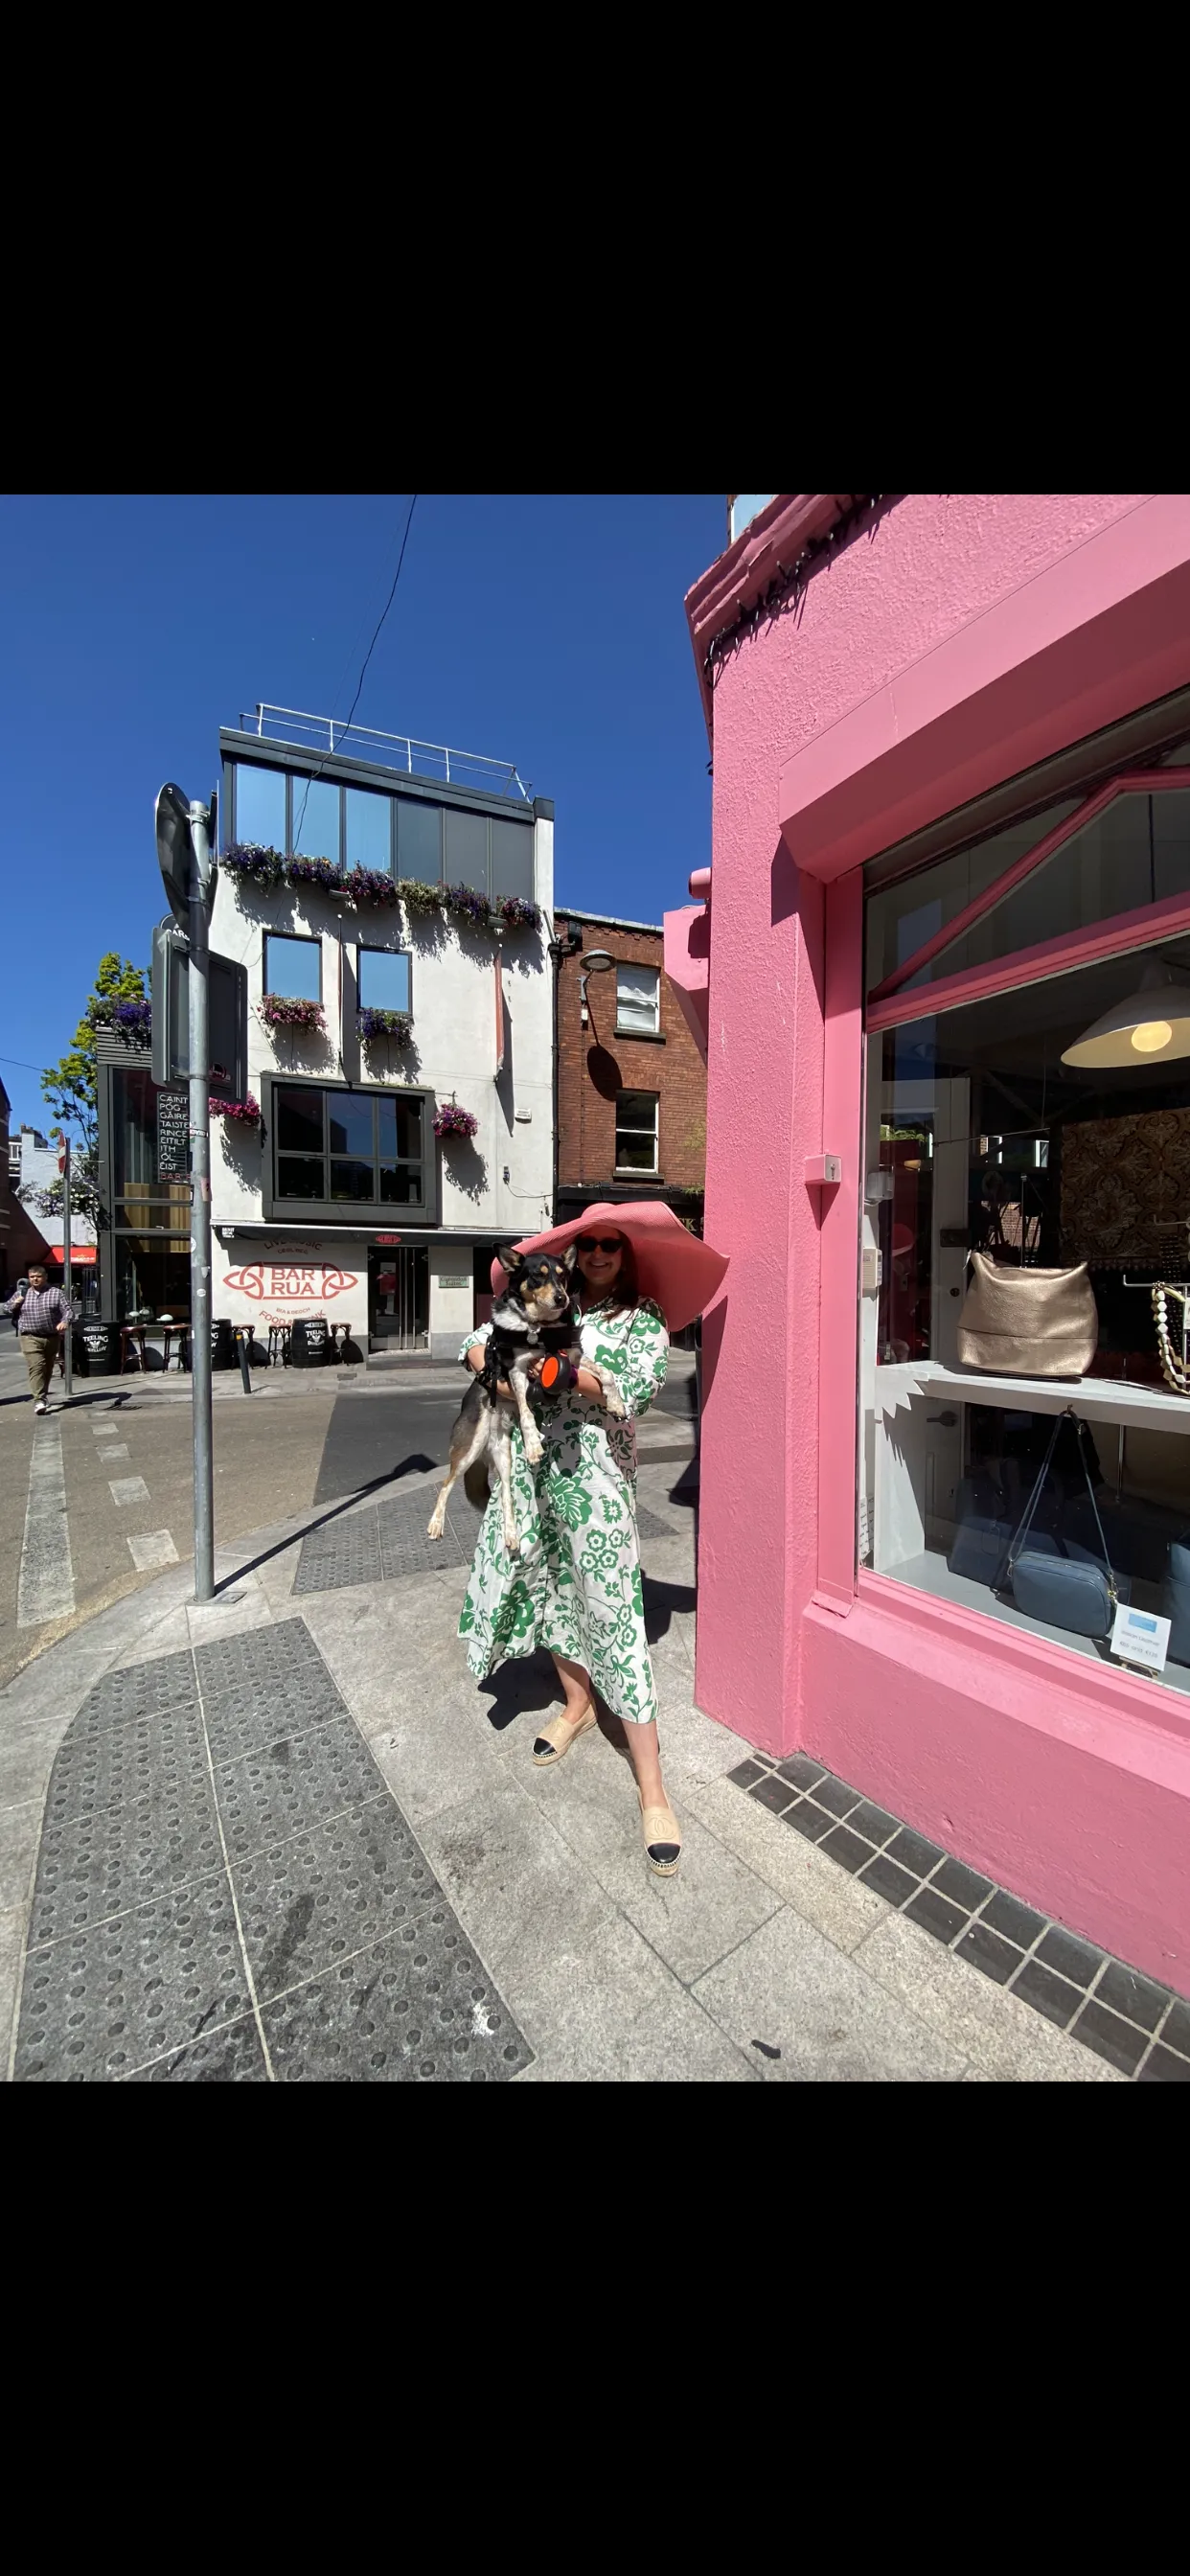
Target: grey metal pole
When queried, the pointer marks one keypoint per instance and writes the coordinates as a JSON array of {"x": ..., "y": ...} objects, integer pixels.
[
  {"x": 200, "y": 1217},
  {"x": 68, "y": 1352}
]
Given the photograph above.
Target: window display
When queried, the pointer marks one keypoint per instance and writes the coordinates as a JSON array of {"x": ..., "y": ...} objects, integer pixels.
[{"x": 1025, "y": 1286}]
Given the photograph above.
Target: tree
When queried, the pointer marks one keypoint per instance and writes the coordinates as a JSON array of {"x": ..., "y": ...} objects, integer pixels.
[{"x": 71, "y": 1089}]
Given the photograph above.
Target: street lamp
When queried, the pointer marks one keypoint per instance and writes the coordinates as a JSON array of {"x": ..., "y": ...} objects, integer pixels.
[{"x": 596, "y": 962}]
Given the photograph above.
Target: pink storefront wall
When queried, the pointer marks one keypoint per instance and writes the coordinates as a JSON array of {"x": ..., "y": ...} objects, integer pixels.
[{"x": 1068, "y": 1781}]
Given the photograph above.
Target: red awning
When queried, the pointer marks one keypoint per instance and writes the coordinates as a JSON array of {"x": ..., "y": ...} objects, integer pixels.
[{"x": 79, "y": 1252}]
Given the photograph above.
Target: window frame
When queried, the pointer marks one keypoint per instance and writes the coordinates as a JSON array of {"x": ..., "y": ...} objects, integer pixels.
[
  {"x": 352, "y": 1215},
  {"x": 633, "y": 1091},
  {"x": 886, "y": 1003},
  {"x": 292, "y": 938},
  {"x": 638, "y": 966}
]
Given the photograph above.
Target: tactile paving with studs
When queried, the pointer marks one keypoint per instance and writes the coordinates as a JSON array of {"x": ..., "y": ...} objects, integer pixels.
[{"x": 228, "y": 1891}]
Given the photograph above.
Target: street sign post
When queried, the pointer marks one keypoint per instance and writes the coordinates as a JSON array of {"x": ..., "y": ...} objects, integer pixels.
[
  {"x": 68, "y": 1342},
  {"x": 184, "y": 854}
]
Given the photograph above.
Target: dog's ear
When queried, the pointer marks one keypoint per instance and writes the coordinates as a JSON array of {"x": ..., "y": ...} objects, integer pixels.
[
  {"x": 569, "y": 1258},
  {"x": 508, "y": 1259}
]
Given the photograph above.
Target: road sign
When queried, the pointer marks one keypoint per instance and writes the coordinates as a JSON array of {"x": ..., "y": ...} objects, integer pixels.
[
  {"x": 173, "y": 818},
  {"x": 172, "y": 823}
]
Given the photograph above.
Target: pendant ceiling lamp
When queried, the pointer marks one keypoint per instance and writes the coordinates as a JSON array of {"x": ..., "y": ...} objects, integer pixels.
[{"x": 1150, "y": 1027}]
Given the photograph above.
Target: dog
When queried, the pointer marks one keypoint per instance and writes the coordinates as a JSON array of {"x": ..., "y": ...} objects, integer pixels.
[{"x": 533, "y": 1317}]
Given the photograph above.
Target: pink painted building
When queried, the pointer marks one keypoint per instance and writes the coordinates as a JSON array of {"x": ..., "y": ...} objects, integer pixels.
[{"x": 951, "y": 838}]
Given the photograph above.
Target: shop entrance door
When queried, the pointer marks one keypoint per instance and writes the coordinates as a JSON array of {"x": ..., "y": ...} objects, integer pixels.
[{"x": 399, "y": 1297}]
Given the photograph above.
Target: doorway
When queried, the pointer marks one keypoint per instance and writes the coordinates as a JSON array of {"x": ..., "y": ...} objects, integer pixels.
[{"x": 399, "y": 1297}]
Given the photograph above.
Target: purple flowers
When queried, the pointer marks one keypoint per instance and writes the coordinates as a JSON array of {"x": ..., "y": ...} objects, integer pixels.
[
  {"x": 279, "y": 1012},
  {"x": 467, "y": 905},
  {"x": 133, "y": 1021},
  {"x": 245, "y": 1112},
  {"x": 319, "y": 872},
  {"x": 450, "y": 1120},
  {"x": 517, "y": 914},
  {"x": 396, "y": 1025},
  {"x": 369, "y": 885},
  {"x": 259, "y": 865}
]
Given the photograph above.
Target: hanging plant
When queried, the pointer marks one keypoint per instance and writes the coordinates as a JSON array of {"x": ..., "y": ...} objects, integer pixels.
[
  {"x": 466, "y": 905},
  {"x": 279, "y": 1012},
  {"x": 396, "y": 1025},
  {"x": 421, "y": 901},
  {"x": 450, "y": 1120},
  {"x": 517, "y": 914},
  {"x": 245, "y": 1112},
  {"x": 133, "y": 1021}
]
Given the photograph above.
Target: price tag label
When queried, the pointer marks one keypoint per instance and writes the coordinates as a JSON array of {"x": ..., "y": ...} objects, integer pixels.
[{"x": 1140, "y": 1637}]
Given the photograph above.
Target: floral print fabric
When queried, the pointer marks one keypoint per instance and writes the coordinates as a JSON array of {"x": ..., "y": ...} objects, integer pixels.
[{"x": 575, "y": 1587}]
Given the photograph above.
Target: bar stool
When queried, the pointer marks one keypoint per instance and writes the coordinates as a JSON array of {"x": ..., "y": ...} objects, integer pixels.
[
  {"x": 279, "y": 1345},
  {"x": 132, "y": 1338}
]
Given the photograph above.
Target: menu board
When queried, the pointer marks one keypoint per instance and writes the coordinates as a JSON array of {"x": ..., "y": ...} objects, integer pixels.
[{"x": 173, "y": 1135}]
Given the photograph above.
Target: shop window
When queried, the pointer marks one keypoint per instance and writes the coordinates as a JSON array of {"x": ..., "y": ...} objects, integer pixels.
[
  {"x": 385, "y": 980},
  {"x": 1135, "y": 851},
  {"x": 293, "y": 967},
  {"x": 342, "y": 1148},
  {"x": 984, "y": 1139},
  {"x": 152, "y": 1276},
  {"x": 636, "y": 1131},
  {"x": 638, "y": 1001}
]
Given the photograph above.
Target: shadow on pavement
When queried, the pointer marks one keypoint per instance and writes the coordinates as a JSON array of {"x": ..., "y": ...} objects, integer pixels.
[
  {"x": 661, "y": 1601},
  {"x": 407, "y": 1467},
  {"x": 529, "y": 1682}
]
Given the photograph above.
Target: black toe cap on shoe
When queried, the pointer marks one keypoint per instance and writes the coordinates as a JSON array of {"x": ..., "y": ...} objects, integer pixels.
[{"x": 664, "y": 1851}]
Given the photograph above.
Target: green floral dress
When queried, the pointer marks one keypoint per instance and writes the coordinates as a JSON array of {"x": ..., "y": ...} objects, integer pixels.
[{"x": 575, "y": 1586}]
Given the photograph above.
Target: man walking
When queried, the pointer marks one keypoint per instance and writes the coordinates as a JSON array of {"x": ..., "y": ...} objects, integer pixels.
[{"x": 43, "y": 1316}]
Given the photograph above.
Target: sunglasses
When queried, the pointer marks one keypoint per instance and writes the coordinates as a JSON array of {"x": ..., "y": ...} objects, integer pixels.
[{"x": 600, "y": 1243}]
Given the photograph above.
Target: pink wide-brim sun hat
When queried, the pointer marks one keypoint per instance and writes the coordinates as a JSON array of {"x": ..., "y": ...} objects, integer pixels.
[{"x": 677, "y": 1270}]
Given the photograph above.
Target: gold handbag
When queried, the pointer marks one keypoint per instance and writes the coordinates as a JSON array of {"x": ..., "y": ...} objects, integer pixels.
[{"x": 1028, "y": 1323}]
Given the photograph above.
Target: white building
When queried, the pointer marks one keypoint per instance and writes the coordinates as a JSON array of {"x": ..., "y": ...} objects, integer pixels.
[
  {"x": 343, "y": 1203},
  {"x": 33, "y": 1167}
]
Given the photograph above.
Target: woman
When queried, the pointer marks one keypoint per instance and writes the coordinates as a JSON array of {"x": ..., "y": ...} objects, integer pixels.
[{"x": 576, "y": 1586}]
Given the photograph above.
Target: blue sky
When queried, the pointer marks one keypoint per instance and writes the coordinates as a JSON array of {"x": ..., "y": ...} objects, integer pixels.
[{"x": 547, "y": 630}]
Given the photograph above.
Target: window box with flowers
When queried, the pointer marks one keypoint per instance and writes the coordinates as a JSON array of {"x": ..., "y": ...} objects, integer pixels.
[
  {"x": 515, "y": 913},
  {"x": 395, "y": 1025},
  {"x": 243, "y": 1113},
  {"x": 131, "y": 1022},
  {"x": 254, "y": 863},
  {"x": 281, "y": 1011},
  {"x": 452, "y": 1122}
]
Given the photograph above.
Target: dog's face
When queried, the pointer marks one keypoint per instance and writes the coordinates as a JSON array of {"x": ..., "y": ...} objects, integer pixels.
[{"x": 540, "y": 1283}]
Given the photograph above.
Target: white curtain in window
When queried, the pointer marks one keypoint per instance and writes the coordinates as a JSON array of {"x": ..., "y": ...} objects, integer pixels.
[{"x": 636, "y": 997}]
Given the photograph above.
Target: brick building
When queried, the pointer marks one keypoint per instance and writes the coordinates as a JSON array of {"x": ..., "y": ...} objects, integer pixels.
[{"x": 632, "y": 1085}]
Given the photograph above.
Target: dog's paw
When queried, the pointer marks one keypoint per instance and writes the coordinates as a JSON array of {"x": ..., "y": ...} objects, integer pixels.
[
  {"x": 614, "y": 1401},
  {"x": 534, "y": 1448},
  {"x": 435, "y": 1527},
  {"x": 512, "y": 1544}
]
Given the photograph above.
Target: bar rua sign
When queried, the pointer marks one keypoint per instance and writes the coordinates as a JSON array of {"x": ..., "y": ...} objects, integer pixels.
[{"x": 173, "y": 1136}]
